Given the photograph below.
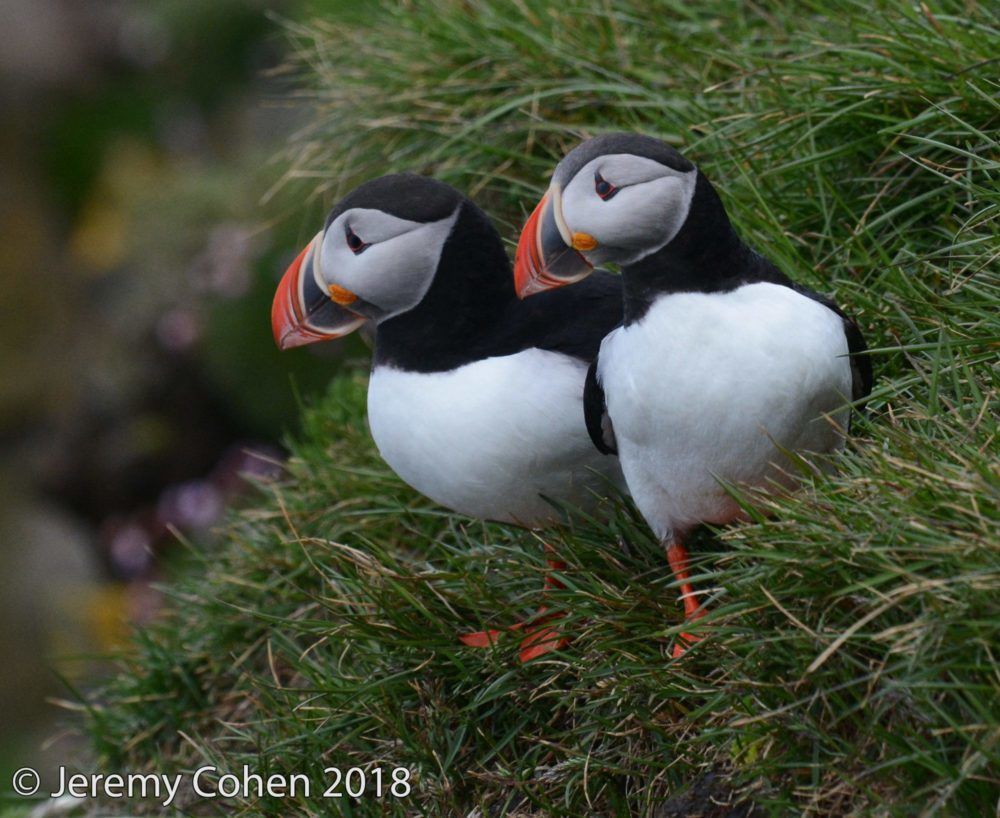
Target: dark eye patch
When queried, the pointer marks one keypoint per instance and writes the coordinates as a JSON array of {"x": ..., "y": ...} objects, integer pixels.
[
  {"x": 603, "y": 187},
  {"x": 354, "y": 241}
]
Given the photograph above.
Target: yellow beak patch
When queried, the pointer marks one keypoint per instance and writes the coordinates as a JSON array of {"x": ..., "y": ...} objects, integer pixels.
[
  {"x": 584, "y": 241},
  {"x": 341, "y": 296}
]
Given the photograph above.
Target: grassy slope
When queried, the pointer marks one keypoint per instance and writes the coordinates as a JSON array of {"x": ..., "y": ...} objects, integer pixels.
[{"x": 852, "y": 661}]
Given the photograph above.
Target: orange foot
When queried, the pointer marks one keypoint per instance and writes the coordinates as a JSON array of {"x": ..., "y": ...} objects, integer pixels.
[
  {"x": 677, "y": 556},
  {"x": 684, "y": 641},
  {"x": 540, "y": 638},
  {"x": 480, "y": 639}
]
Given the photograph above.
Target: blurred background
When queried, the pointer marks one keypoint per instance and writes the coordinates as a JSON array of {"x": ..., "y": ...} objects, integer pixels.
[{"x": 146, "y": 212}]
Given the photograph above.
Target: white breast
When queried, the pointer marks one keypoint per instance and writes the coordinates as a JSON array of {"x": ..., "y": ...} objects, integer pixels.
[
  {"x": 490, "y": 438},
  {"x": 703, "y": 387}
]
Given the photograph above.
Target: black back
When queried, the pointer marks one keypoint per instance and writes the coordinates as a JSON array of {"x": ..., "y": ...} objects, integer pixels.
[{"x": 472, "y": 312}]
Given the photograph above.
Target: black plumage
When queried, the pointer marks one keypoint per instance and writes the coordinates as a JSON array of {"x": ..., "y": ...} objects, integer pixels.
[
  {"x": 595, "y": 413},
  {"x": 472, "y": 312},
  {"x": 613, "y": 143}
]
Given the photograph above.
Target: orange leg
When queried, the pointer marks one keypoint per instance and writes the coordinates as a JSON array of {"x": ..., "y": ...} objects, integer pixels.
[
  {"x": 555, "y": 564},
  {"x": 540, "y": 638},
  {"x": 677, "y": 556}
]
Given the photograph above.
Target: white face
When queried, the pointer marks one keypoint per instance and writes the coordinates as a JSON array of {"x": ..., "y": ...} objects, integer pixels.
[
  {"x": 384, "y": 260},
  {"x": 647, "y": 208}
]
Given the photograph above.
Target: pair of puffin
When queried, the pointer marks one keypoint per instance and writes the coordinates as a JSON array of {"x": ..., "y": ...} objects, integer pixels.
[
  {"x": 475, "y": 397},
  {"x": 700, "y": 367}
]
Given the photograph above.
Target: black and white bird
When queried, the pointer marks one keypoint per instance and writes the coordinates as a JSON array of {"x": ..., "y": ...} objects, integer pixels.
[
  {"x": 475, "y": 397},
  {"x": 722, "y": 365}
]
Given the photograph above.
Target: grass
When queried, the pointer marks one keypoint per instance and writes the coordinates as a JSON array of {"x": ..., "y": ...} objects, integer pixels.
[{"x": 851, "y": 667}]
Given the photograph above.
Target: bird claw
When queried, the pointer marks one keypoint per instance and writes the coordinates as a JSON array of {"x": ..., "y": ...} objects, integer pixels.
[
  {"x": 480, "y": 639},
  {"x": 539, "y": 640},
  {"x": 684, "y": 641}
]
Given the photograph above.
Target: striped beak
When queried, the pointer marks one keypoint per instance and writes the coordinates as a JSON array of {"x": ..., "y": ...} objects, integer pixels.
[
  {"x": 547, "y": 253},
  {"x": 304, "y": 311}
]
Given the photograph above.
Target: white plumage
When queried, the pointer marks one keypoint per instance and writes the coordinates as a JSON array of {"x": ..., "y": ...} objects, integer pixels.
[
  {"x": 703, "y": 387},
  {"x": 489, "y": 438}
]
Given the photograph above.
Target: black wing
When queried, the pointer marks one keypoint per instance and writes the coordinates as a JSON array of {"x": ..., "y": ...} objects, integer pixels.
[
  {"x": 572, "y": 320},
  {"x": 861, "y": 362},
  {"x": 595, "y": 414}
]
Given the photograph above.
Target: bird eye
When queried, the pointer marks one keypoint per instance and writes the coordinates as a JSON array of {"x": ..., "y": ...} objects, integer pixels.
[
  {"x": 354, "y": 241},
  {"x": 603, "y": 187}
]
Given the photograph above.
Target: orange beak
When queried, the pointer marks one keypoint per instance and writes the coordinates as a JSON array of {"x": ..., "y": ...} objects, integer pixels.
[
  {"x": 303, "y": 312},
  {"x": 546, "y": 256}
]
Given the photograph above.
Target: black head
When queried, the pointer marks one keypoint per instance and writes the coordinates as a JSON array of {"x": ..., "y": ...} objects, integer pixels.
[
  {"x": 406, "y": 196},
  {"x": 611, "y": 144},
  {"x": 624, "y": 199},
  {"x": 388, "y": 246},
  {"x": 614, "y": 199}
]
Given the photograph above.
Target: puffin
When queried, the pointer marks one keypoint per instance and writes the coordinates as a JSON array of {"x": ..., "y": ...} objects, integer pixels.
[
  {"x": 475, "y": 397},
  {"x": 723, "y": 367}
]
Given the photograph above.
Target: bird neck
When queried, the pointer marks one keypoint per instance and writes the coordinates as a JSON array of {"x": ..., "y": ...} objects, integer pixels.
[
  {"x": 706, "y": 255},
  {"x": 472, "y": 290}
]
